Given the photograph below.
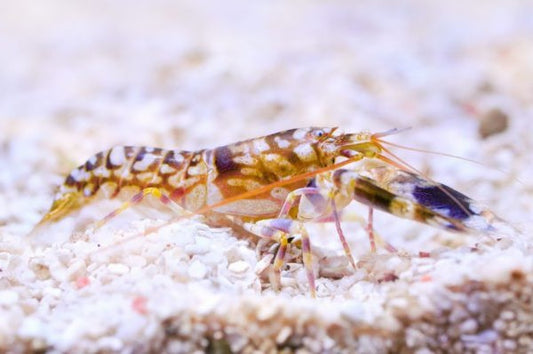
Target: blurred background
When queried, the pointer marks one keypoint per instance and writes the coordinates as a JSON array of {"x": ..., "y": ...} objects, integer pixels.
[{"x": 78, "y": 77}]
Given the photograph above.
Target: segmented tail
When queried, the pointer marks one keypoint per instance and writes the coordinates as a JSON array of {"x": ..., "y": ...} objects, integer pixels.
[{"x": 116, "y": 168}]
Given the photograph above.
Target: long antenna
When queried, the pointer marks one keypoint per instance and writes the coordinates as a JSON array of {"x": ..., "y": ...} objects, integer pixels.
[{"x": 450, "y": 156}]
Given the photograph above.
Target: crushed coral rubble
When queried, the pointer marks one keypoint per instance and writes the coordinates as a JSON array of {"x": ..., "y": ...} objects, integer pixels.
[{"x": 81, "y": 78}]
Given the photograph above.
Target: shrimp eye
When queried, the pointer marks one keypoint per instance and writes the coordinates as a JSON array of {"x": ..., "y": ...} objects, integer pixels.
[{"x": 319, "y": 133}]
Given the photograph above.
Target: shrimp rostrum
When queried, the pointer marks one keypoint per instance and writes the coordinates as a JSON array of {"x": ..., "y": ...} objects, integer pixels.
[{"x": 273, "y": 185}]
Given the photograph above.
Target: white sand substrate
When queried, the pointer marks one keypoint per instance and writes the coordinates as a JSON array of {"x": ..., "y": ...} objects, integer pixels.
[{"x": 80, "y": 77}]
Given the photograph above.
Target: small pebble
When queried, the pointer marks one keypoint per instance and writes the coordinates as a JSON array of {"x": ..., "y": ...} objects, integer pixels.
[
  {"x": 110, "y": 343},
  {"x": 135, "y": 261},
  {"x": 31, "y": 328},
  {"x": 238, "y": 267},
  {"x": 400, "y": 303},
  {"x": 53, "y": 292},
  {"x": 76, "y": 270},
  {"x": 493, "y": 122},
  {"x": 8, "y": 297},
  {"x": 267, "y": 312},
  {"x": 82, "y": 282},
  {"x": 353, "y": 312},
  {"x": 509, "y": 344},
  {"x": 201, "y": 246},
  {"x": 468, "y": 326},
  {"x": 118, "y": 268},
  {"x": 283, "y": 335},
  {"x": 507, "y": 315},
  {"x": 197, "y": 270}
]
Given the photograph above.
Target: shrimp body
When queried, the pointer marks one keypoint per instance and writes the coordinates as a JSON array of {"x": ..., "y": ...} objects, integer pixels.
[
  {"x": 272, "y": 185},
  {"x": 196, "y": 179}
]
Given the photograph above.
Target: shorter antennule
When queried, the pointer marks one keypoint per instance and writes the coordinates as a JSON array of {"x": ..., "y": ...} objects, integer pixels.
[{"x": 392, "y": 131}]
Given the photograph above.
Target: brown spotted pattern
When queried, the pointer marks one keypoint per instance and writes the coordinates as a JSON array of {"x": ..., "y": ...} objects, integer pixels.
[
  {"x": 131, "y": 166},
  {"x": 254, "y": 163},
  {"x": 194, "y": 179},
  {"x": 241, "y": 179}
]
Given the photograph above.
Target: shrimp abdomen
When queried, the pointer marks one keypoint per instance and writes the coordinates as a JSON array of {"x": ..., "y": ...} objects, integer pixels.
[{"x": 115, "y": 169}]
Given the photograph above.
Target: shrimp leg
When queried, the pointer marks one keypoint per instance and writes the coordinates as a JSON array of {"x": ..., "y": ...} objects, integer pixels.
[
  {"x": 322, "y": 207},
  {"x": 158, "y": 193},
  {"x": 284, "y": 231}
]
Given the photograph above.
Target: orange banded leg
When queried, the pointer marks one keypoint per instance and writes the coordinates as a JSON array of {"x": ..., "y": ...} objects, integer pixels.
[
  {"x": 373, "y": 236},
  {"x": 138, "y": 198},
  {"x": 282, "y": 231},
  {"x": 370, "y": 229},
  {"x": 279, "y": 261},
  {"x": 312, "y": 194},
  {"x": 345, "y": 245}
]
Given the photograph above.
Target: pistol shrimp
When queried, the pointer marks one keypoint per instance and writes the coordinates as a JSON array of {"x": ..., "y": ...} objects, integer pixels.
[{"x": 273, "y": 185}]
